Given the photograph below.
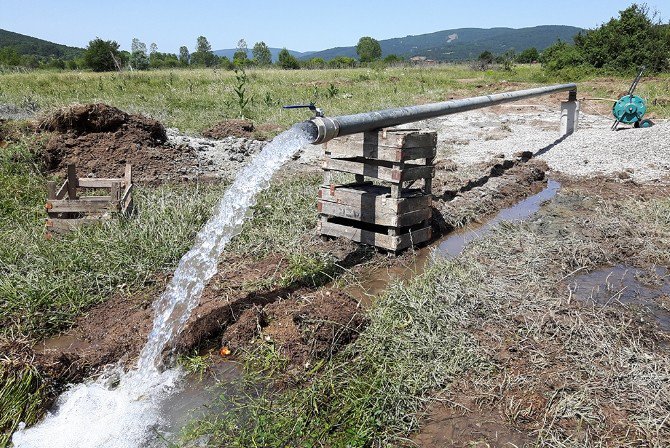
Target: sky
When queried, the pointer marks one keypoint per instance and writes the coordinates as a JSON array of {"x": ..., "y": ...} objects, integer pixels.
[{"x": 297, "y": 25}]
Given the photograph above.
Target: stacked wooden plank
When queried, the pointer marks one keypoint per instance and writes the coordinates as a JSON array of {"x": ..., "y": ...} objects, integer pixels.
[
  {"x": 394, "y": 212},
  {"x": 70, "y": 206}
]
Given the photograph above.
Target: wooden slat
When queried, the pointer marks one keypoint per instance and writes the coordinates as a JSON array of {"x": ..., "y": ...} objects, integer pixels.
[
  {"x": 72, "y": 181},
  {"x": 100, "y": 182},
  {"x": 376, "y": 197},
  {"x": 51, "y": 189},
  {"x": 115, "y": 192},
  {"x": 371, "y": 151},
  {"x": 384, "y": 241},
  {"x": 128, "y": 175},
  {"x": 83, "y": 205},
  {"x": 388, "y": 144},
  {"x": 380, "y": 170},
  {"x": 380, "y": 216},
  {"x": 127, "y": 198},
  {"x": 60, "y": 194},
  {"x": 401, "y": 138}
]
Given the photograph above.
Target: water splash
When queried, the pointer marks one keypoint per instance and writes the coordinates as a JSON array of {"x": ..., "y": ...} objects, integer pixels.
[{"x": 122, "y": 409}]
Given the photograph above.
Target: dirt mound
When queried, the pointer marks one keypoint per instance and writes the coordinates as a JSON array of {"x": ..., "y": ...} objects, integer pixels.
[
  {"x": 308, "y": 327},
  {"x": 101, "y": 139},
  {"x": 231, "y": 128}
]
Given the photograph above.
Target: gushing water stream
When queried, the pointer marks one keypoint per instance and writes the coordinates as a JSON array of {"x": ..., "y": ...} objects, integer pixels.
[{"x": 121, "y": 409}]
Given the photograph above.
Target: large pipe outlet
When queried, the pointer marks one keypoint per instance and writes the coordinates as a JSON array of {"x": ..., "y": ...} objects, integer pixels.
[{"x": 323, "y": 129}]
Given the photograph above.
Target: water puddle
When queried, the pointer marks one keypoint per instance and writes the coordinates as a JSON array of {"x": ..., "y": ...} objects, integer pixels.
[
  {"x": 626, "y": 285},
  {"x": 196, "y": 398},
  {"x": 377, "y": 280},
  {"x": 453, "y": 245}
]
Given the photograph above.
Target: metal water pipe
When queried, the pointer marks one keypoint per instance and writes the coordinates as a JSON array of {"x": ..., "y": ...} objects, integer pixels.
[{"x": 322, "y": 129}]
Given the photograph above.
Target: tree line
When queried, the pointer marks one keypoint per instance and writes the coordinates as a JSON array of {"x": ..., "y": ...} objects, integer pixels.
[
  {"x": 105, "y": 55},
  {"x": 636, "y": 38}
]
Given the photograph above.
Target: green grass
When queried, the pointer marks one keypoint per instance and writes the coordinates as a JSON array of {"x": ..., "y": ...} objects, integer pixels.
[
  {"x": 21, "y": 397},
  {"x": 375, "y": 390},
  {"x": 422, "y": 336},
  {"x": 194, "y": 100}
]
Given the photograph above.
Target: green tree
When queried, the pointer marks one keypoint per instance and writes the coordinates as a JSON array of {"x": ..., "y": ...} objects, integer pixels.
[
  {"x": 138, "y": 57},
  {"x": 528, "y": 55},
  {"x": 393, "y": 59},
  {"x": 368, "y": 49},
  {"x": 202, "y": 45},
  {"x": 287, "y": 61},
  {"x": 262, "y": 54},
  {"x": 241, "y": 56},
  {"x": 342, "y": 62},
  {"x": 486, "y": 57},
  {"x": 184, "y": 55},
  {"x": 636, "y": 38},
  {"x": 561, "y": 55},
  {"x": 9, "y": 57},
  {"x": 203, "y": 55},
  {"x": 316, "y": 63},
  {"x": 102, "y": 55}
]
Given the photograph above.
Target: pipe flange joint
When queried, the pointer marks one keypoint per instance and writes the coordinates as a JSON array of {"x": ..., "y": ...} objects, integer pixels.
[{"x": 327, "y": 129}]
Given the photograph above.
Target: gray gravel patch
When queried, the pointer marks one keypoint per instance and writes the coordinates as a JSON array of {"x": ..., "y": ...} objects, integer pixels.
[{"x": 478, "y": 136}]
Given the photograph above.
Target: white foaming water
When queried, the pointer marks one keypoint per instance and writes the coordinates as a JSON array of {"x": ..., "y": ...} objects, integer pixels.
[{"x": 122, "y": 409}]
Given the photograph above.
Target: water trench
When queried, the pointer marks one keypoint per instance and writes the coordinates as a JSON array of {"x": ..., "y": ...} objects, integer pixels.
[
  {"x": 127, "y": 409},
  {"x": 450, "y": 246}
]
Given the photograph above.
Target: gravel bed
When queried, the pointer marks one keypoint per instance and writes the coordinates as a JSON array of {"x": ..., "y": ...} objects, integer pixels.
[{"x": 476, "y": 136}]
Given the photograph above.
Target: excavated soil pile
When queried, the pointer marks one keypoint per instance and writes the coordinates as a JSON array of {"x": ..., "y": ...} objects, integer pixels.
[
  {"x": 231, "y": 128},
  {"x": 101, "y": 139}
]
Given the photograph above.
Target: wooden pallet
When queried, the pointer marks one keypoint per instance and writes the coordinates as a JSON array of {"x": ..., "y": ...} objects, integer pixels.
[
  {"x": 393, "y": 243},
  {"x": 393, "y": 216},
  {"x": 67, "y": 209}
]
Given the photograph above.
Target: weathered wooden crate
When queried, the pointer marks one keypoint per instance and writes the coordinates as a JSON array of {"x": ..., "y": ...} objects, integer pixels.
[
  {"x": 67, "y": 209},
  {"x": 374, "y": 204},
  {"x": 390, "y": 216}
]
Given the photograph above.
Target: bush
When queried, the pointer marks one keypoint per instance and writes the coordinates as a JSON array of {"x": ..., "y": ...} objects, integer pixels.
[
  {"x": 561, "y": 55},
  {"x": 287, "y": 61},
  {"x": 102, "y": 55},
  {"x": 632, "y": 40}
]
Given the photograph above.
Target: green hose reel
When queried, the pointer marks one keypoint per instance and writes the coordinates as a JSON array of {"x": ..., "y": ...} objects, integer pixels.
[{"x": 630, "y": 109}]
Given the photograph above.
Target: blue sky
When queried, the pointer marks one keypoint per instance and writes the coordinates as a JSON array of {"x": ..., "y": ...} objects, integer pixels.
[{"x": 298, "y": 25}]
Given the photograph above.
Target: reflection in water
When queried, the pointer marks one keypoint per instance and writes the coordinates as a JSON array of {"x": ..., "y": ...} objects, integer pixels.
[{"x": 626, "y": 285}]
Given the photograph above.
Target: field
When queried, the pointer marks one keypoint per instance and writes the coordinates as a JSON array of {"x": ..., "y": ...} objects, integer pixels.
[{"x": 494, "y": 346}]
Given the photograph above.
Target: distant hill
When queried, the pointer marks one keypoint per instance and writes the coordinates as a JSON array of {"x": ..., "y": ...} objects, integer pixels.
[
  {"x": 230, "y": 52},
  {"x": 27, "y": 45},
  {"x": 463, "y": 43}
]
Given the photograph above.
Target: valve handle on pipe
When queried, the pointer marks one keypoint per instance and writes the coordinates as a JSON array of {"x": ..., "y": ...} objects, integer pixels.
[{"x": 311, "y": 106}]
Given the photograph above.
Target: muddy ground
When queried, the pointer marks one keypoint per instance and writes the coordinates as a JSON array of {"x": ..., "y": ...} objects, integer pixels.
[
  {"x": 100, "y": 140},
  {"x": 248, "y": 304},
  {"x": 569, "y": 369}
]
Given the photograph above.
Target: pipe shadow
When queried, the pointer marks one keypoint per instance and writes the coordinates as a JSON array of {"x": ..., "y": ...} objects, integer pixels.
[{"x": 550, "y": 146}]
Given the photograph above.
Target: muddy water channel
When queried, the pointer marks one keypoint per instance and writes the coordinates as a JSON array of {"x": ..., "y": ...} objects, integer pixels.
[
  {"x": 648, "y": 289},
  {"x": 450, "y": 246}
]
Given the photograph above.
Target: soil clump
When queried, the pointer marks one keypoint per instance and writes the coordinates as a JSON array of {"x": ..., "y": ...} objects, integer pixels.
[
  {"x": 102, "y": 139},
  {"x": 231, "y": 128}
]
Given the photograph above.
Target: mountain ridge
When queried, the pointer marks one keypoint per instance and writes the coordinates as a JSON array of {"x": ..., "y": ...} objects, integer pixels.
[{"x": 29, "y": 45}]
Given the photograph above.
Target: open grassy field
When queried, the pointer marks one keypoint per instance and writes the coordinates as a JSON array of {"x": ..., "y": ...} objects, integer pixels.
[
  {"x": 425, "y": 340},
  {"x": 194, "y": 100}
]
